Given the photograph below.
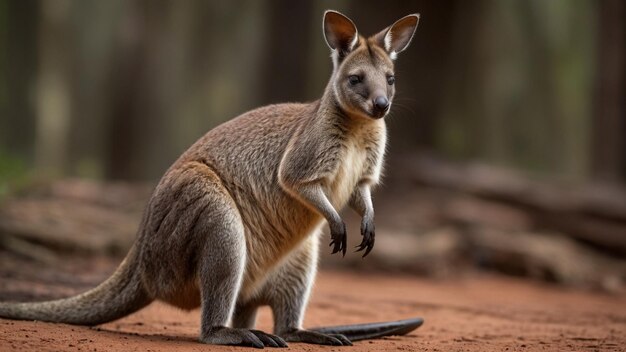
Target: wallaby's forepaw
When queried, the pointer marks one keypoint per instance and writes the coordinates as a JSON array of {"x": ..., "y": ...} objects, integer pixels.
[
  {"x": 242, "y": 337},
  {"x": 317, "y": 338},
  {"x": 369, "y": 236},
  {"x": 339, "y": 239}
]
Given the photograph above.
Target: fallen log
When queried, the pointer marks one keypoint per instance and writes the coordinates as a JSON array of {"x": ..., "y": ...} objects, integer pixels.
[{"x": 594, "y": 214}]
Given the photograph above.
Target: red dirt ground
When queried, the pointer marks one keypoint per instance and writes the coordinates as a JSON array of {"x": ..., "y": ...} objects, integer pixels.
[{"x": 477, "y": 313}]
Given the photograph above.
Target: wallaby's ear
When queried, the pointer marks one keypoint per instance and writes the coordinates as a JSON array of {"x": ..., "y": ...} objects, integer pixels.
[
  {"x": 397, "y": 37},
  {"x": 340, "y": 32}
]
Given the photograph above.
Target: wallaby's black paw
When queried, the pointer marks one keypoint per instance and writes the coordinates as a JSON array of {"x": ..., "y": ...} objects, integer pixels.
[
  {"x": 317, "y": 338},
  {"x": 369, "y": 237},
  {"x": 242, "y": 337},
  {"x": 339, "y": 239},
  {"x": 269, "y": 340}
]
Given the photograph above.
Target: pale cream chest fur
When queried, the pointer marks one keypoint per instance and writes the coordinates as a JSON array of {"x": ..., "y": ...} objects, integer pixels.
[{"x": 361, "y": 161}]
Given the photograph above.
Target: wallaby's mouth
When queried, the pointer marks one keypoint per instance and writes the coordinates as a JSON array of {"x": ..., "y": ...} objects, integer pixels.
[{"x": 379, "y": 114}]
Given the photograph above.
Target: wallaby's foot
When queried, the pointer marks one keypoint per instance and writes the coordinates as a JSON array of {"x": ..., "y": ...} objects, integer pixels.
[
  {"x": 242, "y": 337},
  {"x": 317, "y": 338}
]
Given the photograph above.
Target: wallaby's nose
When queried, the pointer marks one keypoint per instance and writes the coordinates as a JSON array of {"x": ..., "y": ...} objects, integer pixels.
[{"x": 381, "y": 103}]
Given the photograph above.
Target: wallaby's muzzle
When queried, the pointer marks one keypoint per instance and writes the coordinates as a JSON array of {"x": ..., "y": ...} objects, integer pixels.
[{"x": 381, "y": 106}]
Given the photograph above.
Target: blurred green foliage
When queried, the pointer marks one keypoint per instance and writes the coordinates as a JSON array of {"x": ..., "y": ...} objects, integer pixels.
[{"x": 13, "y": 174}]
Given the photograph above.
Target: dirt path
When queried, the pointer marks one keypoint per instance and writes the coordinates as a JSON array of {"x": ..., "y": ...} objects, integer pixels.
[{"x": 479, "y": 313}]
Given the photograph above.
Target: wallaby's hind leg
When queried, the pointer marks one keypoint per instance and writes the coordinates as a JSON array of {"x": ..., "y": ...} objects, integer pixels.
[
  {"x": 245, "y": 315},
  {"x": 288, "y": 292},
  {"x": 220, "y": 270}
]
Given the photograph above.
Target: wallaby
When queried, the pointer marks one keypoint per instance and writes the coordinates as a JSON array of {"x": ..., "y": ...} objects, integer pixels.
[{"x": 234, "y": 223}]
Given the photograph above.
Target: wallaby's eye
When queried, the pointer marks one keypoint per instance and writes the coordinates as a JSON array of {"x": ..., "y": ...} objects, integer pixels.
[
  {"x": 391, "y": 80},
  {"x": 354, "y": 80}
]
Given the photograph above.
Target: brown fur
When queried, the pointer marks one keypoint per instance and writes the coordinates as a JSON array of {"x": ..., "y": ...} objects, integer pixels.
[{"x": 234, "y": 222}]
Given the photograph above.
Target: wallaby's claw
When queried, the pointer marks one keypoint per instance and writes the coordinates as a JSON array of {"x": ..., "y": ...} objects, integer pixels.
[
  {"x": 314, "y": 337},
  {"x": 243, "y": 337},
  {"x": 270, "y": 340},
  {"x": 344, "y": 340},
  {"x": 339, "y": 240},
  {"x": 369, "y": 237},
  {"x": 340, "y": 245}
]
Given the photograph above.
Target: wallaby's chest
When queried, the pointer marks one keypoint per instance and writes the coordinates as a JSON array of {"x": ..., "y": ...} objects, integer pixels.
[{"x": 361, "y": 158}]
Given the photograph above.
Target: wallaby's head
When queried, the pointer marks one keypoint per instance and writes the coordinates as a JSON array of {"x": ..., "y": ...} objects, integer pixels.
[{"x": 363, "y": 78}]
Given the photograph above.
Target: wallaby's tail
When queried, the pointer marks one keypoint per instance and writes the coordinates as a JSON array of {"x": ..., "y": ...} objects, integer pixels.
[
  {"x": 373, "y": 330},
  {"x": 120, "y": 295}
]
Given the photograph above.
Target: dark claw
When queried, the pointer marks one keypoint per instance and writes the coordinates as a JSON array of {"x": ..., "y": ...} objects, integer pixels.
[
  {"x": 369, "y": 248},
  {"x": 269, "y": 340},
  {"x": 344, "y": 340},
  {"x": 337, "y": 246},
  {"x": 368, "y": 233},
  {"x": 339, "y": 240},
  {"x": 279, "y": 340}
]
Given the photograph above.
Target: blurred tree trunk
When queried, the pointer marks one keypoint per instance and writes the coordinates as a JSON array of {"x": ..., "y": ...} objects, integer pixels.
[
  {"x": 287, "y": 51},
  {"x": 95, "y": 24},
  {"x": 609, "y": 122},
  {"x": 18, "y": 47},
  {"x": 53, "y": 88},
  {"x": 522, "y": 74},
  {"x": 180, "y": 68},
  {"x": 127, "y": 128}
]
